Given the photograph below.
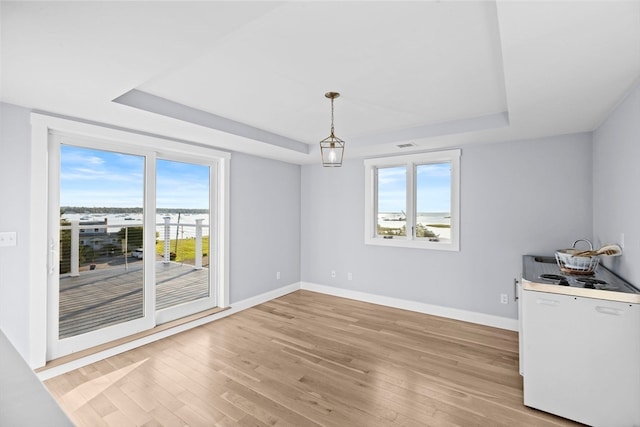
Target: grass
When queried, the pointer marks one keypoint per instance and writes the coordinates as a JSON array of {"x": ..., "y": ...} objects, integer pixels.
[
  {"x": 186, "y": 248},
  {"x": 420, "y": 232}
]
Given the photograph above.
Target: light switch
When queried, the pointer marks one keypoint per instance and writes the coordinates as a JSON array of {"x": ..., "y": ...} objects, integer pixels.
[{"x": 8, "y": 238}]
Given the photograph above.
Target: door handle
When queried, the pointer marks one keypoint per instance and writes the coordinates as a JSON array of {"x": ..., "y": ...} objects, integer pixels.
[
  {"x": 549, "y": 302},
  {"x": 609, "y": 310},
  {"x": 53, "y": 255}
]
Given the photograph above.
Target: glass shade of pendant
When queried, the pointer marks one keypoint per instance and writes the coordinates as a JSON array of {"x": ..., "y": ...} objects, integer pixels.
[{"x": 332, "y": 149}]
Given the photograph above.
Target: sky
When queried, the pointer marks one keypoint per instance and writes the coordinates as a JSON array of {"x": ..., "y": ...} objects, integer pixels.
[
  {"x": 433, "y": 188},
  {"x": 96, "y": 178}
]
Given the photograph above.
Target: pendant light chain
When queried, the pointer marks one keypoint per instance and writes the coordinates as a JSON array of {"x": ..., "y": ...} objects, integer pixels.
[{"x": 332, "y": 117}]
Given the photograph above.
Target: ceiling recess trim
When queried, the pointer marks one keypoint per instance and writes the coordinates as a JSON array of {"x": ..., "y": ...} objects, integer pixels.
[
  {"x": 474, "y": 124},
  {"x": 158, "y": 105}
]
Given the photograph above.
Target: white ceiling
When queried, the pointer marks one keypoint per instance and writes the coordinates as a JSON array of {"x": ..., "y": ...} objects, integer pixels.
[{"x": 251, "y": 76}]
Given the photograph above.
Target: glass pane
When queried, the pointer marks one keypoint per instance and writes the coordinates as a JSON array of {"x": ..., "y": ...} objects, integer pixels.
[
  {"x": 392, "y": 201},
  {"x": 433, "y": 202},
  {"x": 182, "y": 233},
  {"x": 101, "y": 199}
]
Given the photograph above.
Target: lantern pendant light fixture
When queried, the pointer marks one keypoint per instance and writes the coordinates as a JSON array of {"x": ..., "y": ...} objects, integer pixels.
[{"x": 332, "y": 147}]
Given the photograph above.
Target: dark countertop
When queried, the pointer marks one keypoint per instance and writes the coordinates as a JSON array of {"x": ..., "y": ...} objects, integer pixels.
[{"x": 535, "y": 265}]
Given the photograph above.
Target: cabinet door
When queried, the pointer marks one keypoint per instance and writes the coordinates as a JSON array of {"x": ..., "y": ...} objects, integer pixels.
[
  {"x": 581, "y": 358},
  {"x": 614, "y": 355},
  {"x": 552, "y": 348}
]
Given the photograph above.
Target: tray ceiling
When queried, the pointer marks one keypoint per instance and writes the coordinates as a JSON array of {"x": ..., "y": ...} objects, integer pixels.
[{"x": 251, "y": 76}]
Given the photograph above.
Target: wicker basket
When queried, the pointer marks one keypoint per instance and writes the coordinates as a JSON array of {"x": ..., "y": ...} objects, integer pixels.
[{"x": 576, "y": 264}]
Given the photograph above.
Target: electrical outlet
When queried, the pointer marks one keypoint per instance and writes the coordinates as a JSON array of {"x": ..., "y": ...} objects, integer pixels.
[
  {"x": 349, "y": 276},
  {"x": 621, "y": 242},
  {"x": 8, "y": 238},
  {"x": 277, "y": 275},
  {"x": 333, "y": 274},
  {"x": 504, "y": 299}
]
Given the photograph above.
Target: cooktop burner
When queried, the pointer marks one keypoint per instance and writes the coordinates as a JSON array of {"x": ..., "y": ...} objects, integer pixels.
[
  {"x": 597, "y": 284},
  {"x": 555, "y": 278},
  {"x": 590, "y": 281},
  {"x": 587, "y": 282}
]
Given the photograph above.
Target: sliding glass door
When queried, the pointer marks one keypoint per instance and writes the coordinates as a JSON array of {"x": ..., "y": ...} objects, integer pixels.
[
  {"x": 131, "y": 240},
  {"x": 184, "y": 283},
  {"x": 99, "y": 292}
]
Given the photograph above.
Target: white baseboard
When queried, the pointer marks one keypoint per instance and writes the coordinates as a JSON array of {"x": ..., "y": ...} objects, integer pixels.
[
  {"x": 436, "y": 310},
  {"x": 235, "y": 308}
]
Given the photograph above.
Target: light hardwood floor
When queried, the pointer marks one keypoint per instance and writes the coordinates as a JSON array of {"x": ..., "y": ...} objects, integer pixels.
[{"x": 308, "y": 359}]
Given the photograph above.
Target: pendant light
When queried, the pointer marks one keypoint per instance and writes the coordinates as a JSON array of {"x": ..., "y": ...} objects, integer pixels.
[{"x": 332, "y": 147}]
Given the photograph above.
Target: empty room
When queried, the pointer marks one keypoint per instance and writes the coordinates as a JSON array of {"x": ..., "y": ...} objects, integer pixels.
[{"x": 320, "y": 213}]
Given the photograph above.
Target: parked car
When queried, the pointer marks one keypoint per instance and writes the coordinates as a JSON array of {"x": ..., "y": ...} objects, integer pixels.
[{"x": 137, "y": 253}]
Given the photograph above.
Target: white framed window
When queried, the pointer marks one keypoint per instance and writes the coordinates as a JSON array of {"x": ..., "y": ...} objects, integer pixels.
[{"x": 413, "y": 201}]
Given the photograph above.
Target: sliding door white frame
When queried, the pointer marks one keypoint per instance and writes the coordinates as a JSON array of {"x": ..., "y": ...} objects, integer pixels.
[{"x": 44, "y": 265}]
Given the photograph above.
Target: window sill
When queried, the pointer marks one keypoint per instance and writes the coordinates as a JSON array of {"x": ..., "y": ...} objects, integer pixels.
[{"x": 403, "y": 242}]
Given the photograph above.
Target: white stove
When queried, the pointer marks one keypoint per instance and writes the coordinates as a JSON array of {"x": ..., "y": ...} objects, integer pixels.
[{"x": 580, "y": 344}]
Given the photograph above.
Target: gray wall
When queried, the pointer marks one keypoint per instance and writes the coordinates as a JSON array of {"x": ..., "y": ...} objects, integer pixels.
[
  {"x": 616, "y": 185},
  {"x": 265, "y": 225},
  {"x": 15, "y": 137},
  {"x": 516, "y": 198}
]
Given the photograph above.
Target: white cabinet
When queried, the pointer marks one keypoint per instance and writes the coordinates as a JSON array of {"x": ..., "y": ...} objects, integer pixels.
[
  {"x": 520, "y": 340},
  {"x": 581, "y": 358}
]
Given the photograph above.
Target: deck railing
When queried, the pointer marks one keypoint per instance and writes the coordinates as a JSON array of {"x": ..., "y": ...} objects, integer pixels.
[{"x": 97, "y": 237}]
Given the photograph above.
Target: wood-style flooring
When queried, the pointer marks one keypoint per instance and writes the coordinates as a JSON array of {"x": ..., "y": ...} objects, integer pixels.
[{"x": 308, "y": 359}]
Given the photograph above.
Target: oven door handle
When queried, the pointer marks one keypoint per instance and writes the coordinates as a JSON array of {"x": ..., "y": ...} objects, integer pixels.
[
  {"x": 550, "y": 302},
  {"x": 609, "y": 310}
]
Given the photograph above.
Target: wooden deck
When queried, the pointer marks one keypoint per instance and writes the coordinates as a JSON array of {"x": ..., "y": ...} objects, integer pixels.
[{"x": 107, "y": 296}]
